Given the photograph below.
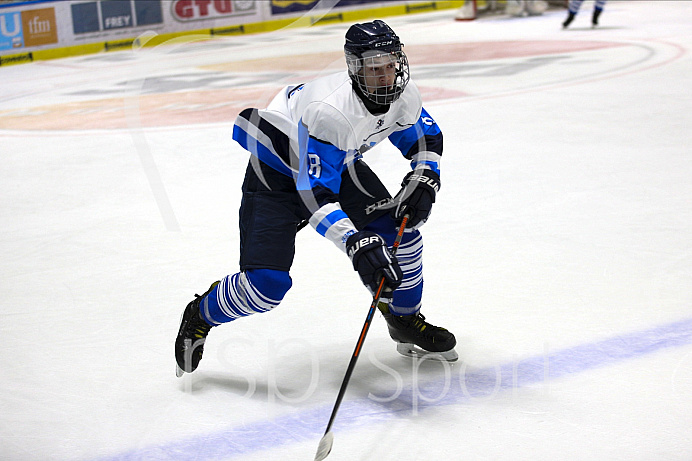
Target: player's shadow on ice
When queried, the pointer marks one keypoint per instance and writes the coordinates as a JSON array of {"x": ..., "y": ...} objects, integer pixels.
[
  {"x": 280, "y": 391},
  {"x": 380, "y": 375}
]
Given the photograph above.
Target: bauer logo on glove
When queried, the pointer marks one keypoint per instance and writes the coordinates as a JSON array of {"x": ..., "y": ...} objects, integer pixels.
[
  {"x": 372, "y": 260},
  {"x": 416, "y": 197},
  {"x": 374, "y": 239},
  {"x": 435, "y": 185}
]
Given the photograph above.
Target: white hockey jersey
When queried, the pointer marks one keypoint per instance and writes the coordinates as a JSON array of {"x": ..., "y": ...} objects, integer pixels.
[{"x": 314, "y": 131}]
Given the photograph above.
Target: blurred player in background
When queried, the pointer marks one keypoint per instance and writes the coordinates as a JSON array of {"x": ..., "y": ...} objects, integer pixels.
[{"x": 573, "y": 9}]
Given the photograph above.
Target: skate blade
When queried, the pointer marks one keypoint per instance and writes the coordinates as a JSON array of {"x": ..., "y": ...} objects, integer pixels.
[{"x": 411, "y": 350}]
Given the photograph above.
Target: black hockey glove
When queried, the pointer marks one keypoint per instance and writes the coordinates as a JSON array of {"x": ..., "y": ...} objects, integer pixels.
[
  {"x": 416, "y": 197},
  {"x": 372, "y": 259}
]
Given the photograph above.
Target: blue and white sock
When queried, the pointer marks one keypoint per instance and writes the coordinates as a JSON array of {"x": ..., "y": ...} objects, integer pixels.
[{"x": 245, "y": 293}]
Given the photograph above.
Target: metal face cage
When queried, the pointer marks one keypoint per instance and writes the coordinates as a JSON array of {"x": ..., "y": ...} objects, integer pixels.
[{"x": 381, "y": 76}]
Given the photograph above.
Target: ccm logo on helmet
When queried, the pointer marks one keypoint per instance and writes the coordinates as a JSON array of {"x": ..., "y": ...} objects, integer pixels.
[
  {"x": 377, "y": 45},
  {"x": 425, "y": 180}
]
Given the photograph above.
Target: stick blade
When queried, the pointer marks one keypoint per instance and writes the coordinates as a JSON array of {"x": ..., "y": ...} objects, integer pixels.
[{"x": 325, "y": 446}]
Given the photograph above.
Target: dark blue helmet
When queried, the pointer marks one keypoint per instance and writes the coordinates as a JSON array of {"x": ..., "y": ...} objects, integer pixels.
[
  {"x": 373, "y": 47},
  {"x": 376, "y": 35}
]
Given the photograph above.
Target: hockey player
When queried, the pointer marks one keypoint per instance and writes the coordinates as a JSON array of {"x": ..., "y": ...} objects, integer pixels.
[
  {"x": 306, "y": 166},
  {"x": 573, "y": 9}
]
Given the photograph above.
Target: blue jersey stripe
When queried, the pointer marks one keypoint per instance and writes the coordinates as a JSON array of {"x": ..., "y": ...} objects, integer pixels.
[
  {"x": 435, "y": 166},
  {"x": 329, "y": 220},
  {"x": 321, "y": 163},
  {"x": 408, "y": 141},
  {"x": 259, "y": 150}
]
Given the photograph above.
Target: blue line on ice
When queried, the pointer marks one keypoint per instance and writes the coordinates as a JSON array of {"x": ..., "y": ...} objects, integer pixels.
[{"x": 310, "y": 424}]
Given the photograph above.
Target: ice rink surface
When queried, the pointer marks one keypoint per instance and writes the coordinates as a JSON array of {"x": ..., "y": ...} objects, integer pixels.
[{"x": 559, "y": 252}]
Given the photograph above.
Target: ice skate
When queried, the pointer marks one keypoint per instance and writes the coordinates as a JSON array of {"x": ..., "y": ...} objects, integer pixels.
[
  {"x": 594, "y": 18},
  {"x": 189, "y": 344},
  {"x": 568, "y": 21},
  {"x": 417, "y": 338}
]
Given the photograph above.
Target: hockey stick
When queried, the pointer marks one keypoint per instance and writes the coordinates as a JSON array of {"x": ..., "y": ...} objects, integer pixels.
[
  {"x": 302, "y": 224},
  {"x": 325, "y": 445}
]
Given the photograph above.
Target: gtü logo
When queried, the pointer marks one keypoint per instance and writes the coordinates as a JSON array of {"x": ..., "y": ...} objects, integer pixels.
[{"x": 190, "y": 10}]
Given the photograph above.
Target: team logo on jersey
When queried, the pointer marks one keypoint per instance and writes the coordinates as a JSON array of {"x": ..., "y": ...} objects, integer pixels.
[{"x": 380, "y": 122}]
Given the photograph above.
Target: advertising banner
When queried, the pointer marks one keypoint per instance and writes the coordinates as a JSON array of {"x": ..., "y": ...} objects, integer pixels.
[
  {"x": 295, "y": 6},
  {"x": 46, "y": 29},
  {"x": 20, "y": 29},
  {"x": 101, "y": 16},
  {"x": 187, "y": 11},
  {"x": 27, "y": 27}
]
